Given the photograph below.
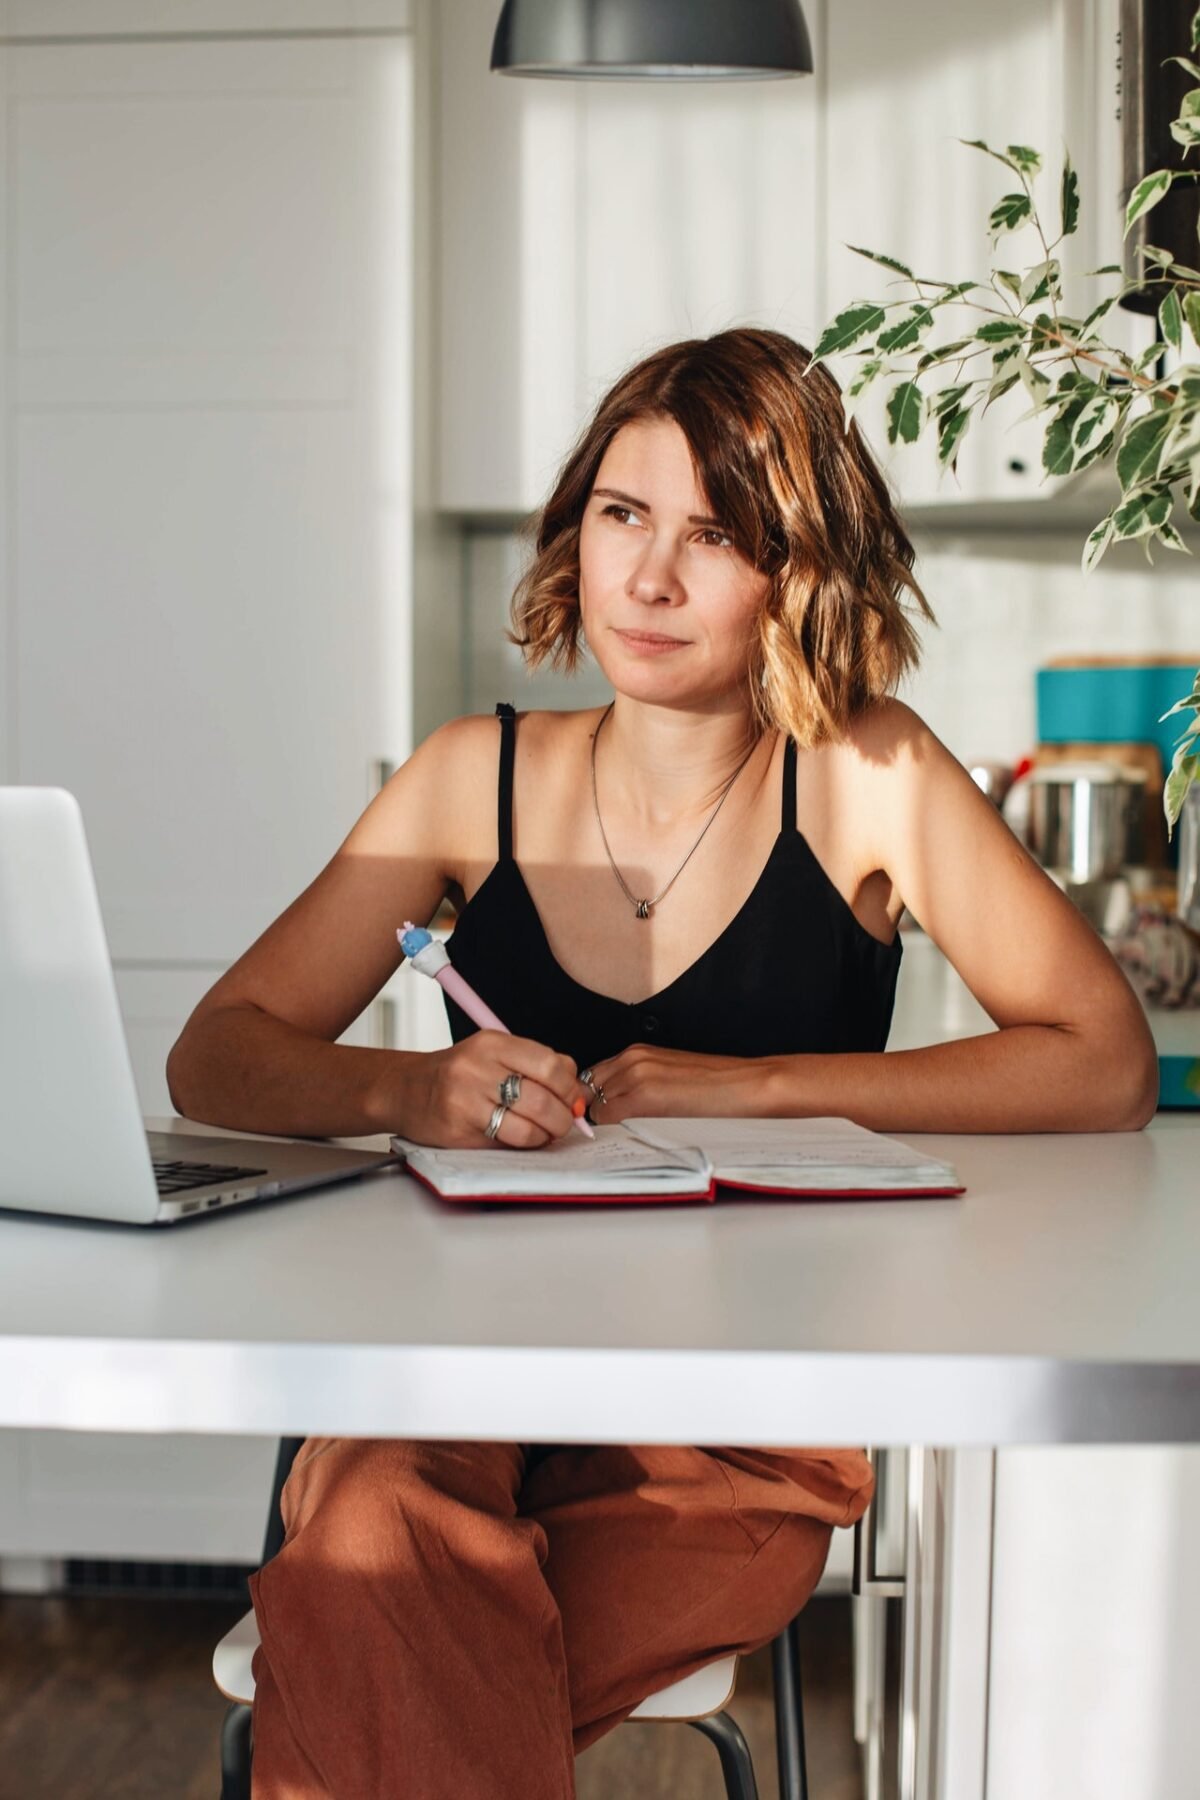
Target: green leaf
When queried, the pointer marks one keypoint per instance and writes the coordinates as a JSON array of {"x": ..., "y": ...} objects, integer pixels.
[
  {"x": 943, "y": 353},
  {"x": 1097, "y": 544},
  {"x": 1176, "y": 786},
  {"x": 1150, "y": 354},
  {"x": 1058, "y": 451},
  {"x": 849, "y": 325},
  {"x": 1142, "y": 514},
  {"x": 866, "y": 375},
  {"x": 1189, "y": 702},
  {"x": 1168, "y": 535},
  {"x": 1141, "y": 447},
  {"x": 906, "y": 331},
  {"x": 1037, "y": 385},
  {"x": 1000, "y": 385},
  {"x": 1027, "y": 160},
  {"x": 906, "y": 413},
  {"x": 1170, "y": 319},
  {"x": 1009, "y": 212},
  {"x": 1094, "y": 420},
  {"x": 1095, "y": 316},
  {"x": 1185, "y": 62},
  {"x": 1191, "y": 312},
  {"x": 1008, "y": 279},
  {"x": 948, "y": 397},
  {"x": 951, "y": 429},
  {"x": 1196, "y": 30},
  {"x": 1182, "y": 441},
  {"x": 1148, "y": 192},
  {"x": 1000, "y": 331},
  {"x": 1106, "y": 269},
  {"x": 889, "y": 262},
  {"x": 1186, "y": 128},
  {"x": 1041, "y": 280},
  {"x": 1070, "y": 199}
]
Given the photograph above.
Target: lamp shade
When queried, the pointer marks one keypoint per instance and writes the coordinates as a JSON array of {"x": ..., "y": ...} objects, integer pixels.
[{"x": 652, "y": 40}]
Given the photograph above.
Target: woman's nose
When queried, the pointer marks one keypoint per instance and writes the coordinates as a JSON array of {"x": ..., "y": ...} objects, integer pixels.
[{"x": 655, "y": 576}]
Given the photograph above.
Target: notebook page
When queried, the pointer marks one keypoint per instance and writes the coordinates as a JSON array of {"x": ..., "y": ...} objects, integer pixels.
[
  {"x": 612, "y": 1162},
  {"x": 794, "y": 1150}
]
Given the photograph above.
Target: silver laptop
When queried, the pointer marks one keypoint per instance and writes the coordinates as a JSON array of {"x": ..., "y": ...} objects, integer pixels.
[{"x": 72, "y": 1138}]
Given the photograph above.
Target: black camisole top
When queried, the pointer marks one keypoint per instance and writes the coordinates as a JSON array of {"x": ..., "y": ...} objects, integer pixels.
[{"x": 794, "y": 971}]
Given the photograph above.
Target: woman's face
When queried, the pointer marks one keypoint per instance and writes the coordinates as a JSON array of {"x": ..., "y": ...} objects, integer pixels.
[{"x": 669, "y": 607}]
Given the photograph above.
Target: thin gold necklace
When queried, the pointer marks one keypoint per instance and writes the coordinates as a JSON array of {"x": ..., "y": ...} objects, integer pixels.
[{"x": 641, "y": 908}]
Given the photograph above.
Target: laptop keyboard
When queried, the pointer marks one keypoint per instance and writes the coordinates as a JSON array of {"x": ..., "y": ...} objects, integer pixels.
[{"x": 173, "y": 1177}]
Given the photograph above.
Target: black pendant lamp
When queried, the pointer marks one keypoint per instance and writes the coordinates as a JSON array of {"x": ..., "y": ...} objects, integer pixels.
[{"x": 652, "y": 40}]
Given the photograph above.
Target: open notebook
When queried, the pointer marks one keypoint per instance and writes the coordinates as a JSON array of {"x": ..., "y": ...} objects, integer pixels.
[{"x": 688, "y": 1159}]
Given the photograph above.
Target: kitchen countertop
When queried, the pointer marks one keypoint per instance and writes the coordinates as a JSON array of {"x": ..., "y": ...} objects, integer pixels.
[{"x": 1052, "y": 1302}]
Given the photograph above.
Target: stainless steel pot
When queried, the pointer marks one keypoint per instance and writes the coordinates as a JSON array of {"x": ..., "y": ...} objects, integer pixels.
[{"x": 1087, "y": 819}]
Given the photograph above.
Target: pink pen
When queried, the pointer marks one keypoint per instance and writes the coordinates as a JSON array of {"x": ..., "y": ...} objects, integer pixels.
[{"x": 430, "y": 958}]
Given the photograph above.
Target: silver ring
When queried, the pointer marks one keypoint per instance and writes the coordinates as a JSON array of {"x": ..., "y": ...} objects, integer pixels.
[
  {"x": 493, "y": 1124},
  {"x": 585, "y": 1079},
  {"x": 600, "y": 1094},
  {"x": 510, "y": 1089}
]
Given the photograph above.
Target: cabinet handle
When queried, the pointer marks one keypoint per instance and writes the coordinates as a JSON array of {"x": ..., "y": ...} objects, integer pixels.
[
  {"x": 381, "y": 773},
  {"x": 866, "y": 1578},
  {"x": 384, "y": 1032}
]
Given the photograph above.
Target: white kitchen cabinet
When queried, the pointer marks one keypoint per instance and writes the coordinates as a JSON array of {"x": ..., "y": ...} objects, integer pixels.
[
  {"x": 584, "y": 224},
  {"x": 1095, "y": 1637},
  {"x": 207, "y": 433}
]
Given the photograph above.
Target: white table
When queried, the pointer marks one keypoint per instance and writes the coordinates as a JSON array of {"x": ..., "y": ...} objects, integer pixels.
[{"x": 1054, "y": 1302}]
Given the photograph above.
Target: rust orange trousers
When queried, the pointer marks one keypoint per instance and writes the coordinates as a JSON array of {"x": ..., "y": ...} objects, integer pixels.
[{"x": 456, "y": 1621}]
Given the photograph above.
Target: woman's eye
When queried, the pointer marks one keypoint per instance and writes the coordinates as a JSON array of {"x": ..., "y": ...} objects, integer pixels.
[
  {"x": 726, "y": 542},
  {"x": 614, "y": 510}
]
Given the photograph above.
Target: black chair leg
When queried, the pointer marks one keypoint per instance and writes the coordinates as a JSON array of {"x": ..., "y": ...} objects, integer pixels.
[
  {"x": 734, "y": 1752},
  {"x": 235, "y": 1753},
  {"x": 789, "y": 1714}
]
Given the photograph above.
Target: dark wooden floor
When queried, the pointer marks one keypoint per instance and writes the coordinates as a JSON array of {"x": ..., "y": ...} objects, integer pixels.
[{"x": 112, "y": 1699}]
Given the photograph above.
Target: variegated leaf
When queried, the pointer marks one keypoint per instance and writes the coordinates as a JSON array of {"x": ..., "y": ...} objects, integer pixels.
[
  {"x": 1097, "y": 544},
  {"x": 1170, "y": 319},
  {"x": 851, "y": 324},
  {"x": 906, "y": 413},
  {"x": 1148, "y": 192}
]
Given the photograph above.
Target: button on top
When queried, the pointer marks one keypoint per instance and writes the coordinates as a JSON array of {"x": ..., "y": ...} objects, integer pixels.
[{"x": 650, "y": 1024}]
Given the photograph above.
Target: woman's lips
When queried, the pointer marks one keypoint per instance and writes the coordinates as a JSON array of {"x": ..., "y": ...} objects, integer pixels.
[{"x": 649, "y": 642}]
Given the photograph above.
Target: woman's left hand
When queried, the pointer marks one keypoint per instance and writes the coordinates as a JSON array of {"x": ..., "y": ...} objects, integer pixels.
[{"x": 647, "y": 1081}]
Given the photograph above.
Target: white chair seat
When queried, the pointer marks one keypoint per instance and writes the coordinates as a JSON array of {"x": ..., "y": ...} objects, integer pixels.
[{"x": 692, "y": 1698}]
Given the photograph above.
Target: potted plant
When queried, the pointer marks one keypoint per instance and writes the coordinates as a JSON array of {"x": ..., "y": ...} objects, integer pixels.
[{"x": 1100, "y": 404}]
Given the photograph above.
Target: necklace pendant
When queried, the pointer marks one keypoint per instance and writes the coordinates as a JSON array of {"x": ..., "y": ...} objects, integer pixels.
[{"x": 642, "y": 909}]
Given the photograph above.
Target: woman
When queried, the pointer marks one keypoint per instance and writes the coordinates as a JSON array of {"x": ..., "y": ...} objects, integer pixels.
[{"x": 686, "y": 902}]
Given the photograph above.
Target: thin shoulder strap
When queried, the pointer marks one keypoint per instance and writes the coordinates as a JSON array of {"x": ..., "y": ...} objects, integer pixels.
[
  {"x": 788, "y": 819},
  {"x": 506, "y": 714}
]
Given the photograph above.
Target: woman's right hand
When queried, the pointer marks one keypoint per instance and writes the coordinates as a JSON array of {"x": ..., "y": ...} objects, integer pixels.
[{"x": 446, "y": 1097}]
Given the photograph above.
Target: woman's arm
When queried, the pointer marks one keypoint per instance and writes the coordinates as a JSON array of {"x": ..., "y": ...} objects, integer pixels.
[
  {"x": 1073, "y": 1051},
  {"x": 259, "y": 1051}
]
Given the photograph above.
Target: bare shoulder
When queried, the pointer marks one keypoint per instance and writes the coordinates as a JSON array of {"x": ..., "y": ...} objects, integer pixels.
[{"x": 887, "y": 737}]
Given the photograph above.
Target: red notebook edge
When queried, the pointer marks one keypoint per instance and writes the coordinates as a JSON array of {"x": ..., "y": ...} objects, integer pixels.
[{"x": 708, "y": 1194}]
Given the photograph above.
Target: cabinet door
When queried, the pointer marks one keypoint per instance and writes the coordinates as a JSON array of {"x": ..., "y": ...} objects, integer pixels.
[
  {"x": 699, "y": 212},
  {"x": 1095, "y": 1624},
  {"x": 90, "y": 1493},
  {"x": 207, "y": 440},
  {"x": 904, "y": 85},
  {"x": 586, "y": 223}
]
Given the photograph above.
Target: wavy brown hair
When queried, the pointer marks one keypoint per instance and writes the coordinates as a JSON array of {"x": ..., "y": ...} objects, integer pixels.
[{"x": 803, "y": 500}]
